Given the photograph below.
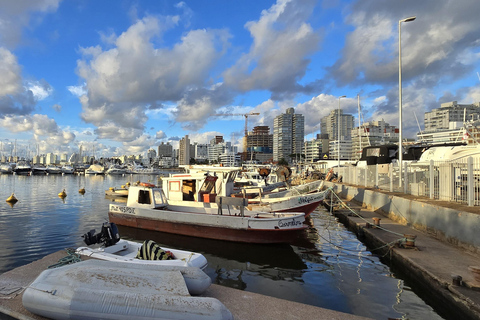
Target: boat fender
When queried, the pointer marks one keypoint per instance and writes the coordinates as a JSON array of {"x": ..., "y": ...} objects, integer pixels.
[{"x": 150, "y": 250}]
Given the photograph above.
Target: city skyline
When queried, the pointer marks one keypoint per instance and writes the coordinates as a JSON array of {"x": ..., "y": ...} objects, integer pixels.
[{"x": 122, "y": 77}]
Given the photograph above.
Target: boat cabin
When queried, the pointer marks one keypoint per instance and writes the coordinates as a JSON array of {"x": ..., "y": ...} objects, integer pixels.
[
  {"x": 147, "y": 197},
  {"x": 199, "y": 186}
]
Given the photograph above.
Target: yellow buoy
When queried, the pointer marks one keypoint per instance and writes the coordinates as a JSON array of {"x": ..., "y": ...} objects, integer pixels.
[
  {"x": 111, "y": 189},
  {"x": 128, "y": 184},
  {"x": 62, "y": 194},
  {"x": 12, "y": 199},
  {"x": 82, "y": 190}
]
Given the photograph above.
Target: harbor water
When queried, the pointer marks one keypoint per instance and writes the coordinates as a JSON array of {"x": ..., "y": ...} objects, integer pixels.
[{"x": 329, "y": 267}]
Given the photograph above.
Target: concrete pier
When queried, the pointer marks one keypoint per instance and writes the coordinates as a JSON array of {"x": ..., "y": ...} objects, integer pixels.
[
  {"x": 243, "y": 305},
  {"x": 438, "y": 262}
]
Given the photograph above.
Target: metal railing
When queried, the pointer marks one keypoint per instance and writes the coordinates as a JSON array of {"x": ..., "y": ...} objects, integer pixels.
[{"x": 456, "y": 181}]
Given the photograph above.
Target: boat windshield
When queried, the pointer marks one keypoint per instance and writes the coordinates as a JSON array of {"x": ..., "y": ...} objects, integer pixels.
[{"x": 159, "y": 197}]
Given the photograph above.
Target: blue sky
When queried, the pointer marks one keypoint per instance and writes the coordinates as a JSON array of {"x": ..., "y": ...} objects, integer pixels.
[{"x": 124, "y": 76}]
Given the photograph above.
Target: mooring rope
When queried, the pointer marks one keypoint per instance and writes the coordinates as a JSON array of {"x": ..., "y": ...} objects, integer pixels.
[
  {"x": 345, "y": 205},
  {"x": 72, "y": 257}
]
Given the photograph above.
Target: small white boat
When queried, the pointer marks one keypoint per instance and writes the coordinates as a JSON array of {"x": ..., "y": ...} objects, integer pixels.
[
  {"x": 6, "y": 168},
  {"x": 126, "y": 251},
  {"x": 95, "y": 169},
  {"x": 96, "y": 289},
  {"x": 52, "y": 169},
  {"x": 115, "y": 169},
  {"x": 67, "y": 169},
  {"x": 115, "y": 249},
  {"x": 117, "y": 192}
]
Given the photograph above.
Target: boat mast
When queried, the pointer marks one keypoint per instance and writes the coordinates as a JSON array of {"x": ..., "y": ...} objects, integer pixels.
[{"x": 359, "y": 124}]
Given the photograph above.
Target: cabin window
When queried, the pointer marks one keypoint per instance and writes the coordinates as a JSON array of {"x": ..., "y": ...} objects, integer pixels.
[
  {"x": 373, "y": 152},
  {"x": 144, "y": 197}
]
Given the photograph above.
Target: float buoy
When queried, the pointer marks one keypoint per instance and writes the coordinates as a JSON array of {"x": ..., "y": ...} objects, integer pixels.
[
  {"x": 146, "y": 184},
  {"x": 128, "y": 184},
  {"x": 12, "y": 199},
  {"x": 62, "y": 194},
  {"x": 82, "y": 190}
]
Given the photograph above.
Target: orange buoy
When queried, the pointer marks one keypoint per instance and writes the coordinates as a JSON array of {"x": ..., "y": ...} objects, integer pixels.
[
  {"x": 82, "y": 190},
  {"x": 146, "y": 184}
]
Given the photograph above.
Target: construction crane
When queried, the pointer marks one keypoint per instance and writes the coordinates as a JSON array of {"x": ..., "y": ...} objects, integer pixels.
[{"x": 246, "y": 122}]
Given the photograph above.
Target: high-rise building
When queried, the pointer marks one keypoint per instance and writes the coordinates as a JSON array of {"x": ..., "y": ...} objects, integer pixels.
[
  {"x": 288, "y": 135},
  {"x": 200, "y": 151},
  {"x": 317, "y": 149},
  {"x": 184, "y": 151},
  {"x": 440, "y": 118},
  {"x": 328, "y": 125},
  {"x": 372, "y": 133},
  {"x": 259, "y": 144},
  {"x": 165, "y": 150}
]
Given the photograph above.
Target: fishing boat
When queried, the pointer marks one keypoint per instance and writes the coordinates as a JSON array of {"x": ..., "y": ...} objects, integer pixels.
[
  {"x": 112, "y": 248},
  {"x": 96, "y": 289},
  {"x": 147, "y": 208},
  {"x": 199, "y": 189}
]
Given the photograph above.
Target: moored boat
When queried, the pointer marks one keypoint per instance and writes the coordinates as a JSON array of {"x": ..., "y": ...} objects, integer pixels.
[
  {"x": 39, "y": 169},
  {"x": 95, "y": 169},
  {"x": 6, "y": 168},
  {"x": 96, "y": 289},
  {"x": 200, "y": 189},
  {"x": 121, "y": 192},
  {"x": 67, "y": 169},
  {"x": 147, "y": 208},
  {"x": 53, "y": 169},
  {"x": 115, "y": 169},
  {"x": 115, "y": 249},
  {"x": 23, "y": 168}
]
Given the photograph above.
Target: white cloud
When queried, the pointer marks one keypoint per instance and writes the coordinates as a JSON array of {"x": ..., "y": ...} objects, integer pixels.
[
  {"x": 40, "y": 89},
  {"x": 78, "y": 90},
  {"x": 278, "y": 57},
  {"x": 160, "y": 135},
  {"x": 11, "y": 80},
  {"x": 123, "y": 81},
  {"x": 16, "y": 15}
]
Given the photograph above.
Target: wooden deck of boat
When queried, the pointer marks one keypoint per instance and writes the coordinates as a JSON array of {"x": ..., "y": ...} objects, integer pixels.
[{"x": 242, "y": 304}]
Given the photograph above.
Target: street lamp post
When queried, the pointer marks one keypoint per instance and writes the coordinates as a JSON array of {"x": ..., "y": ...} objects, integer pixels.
[
  {"x": 400, "y": 138},
  {"x": 338, "y": 130}
]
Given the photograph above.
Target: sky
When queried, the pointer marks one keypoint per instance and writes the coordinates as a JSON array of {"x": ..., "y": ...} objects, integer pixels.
[{"x": 119, "y": 77}]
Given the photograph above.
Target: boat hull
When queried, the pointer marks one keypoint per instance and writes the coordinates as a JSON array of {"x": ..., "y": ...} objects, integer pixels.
[{"x": 247, "y": 235}]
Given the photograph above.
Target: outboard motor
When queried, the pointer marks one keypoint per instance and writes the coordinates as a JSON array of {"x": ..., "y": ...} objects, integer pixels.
[{"x": 108, "y": 236}]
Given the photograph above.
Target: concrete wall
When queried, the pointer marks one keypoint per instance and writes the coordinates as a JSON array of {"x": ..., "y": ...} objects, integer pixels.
[{"x": 456, "y": 227}]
